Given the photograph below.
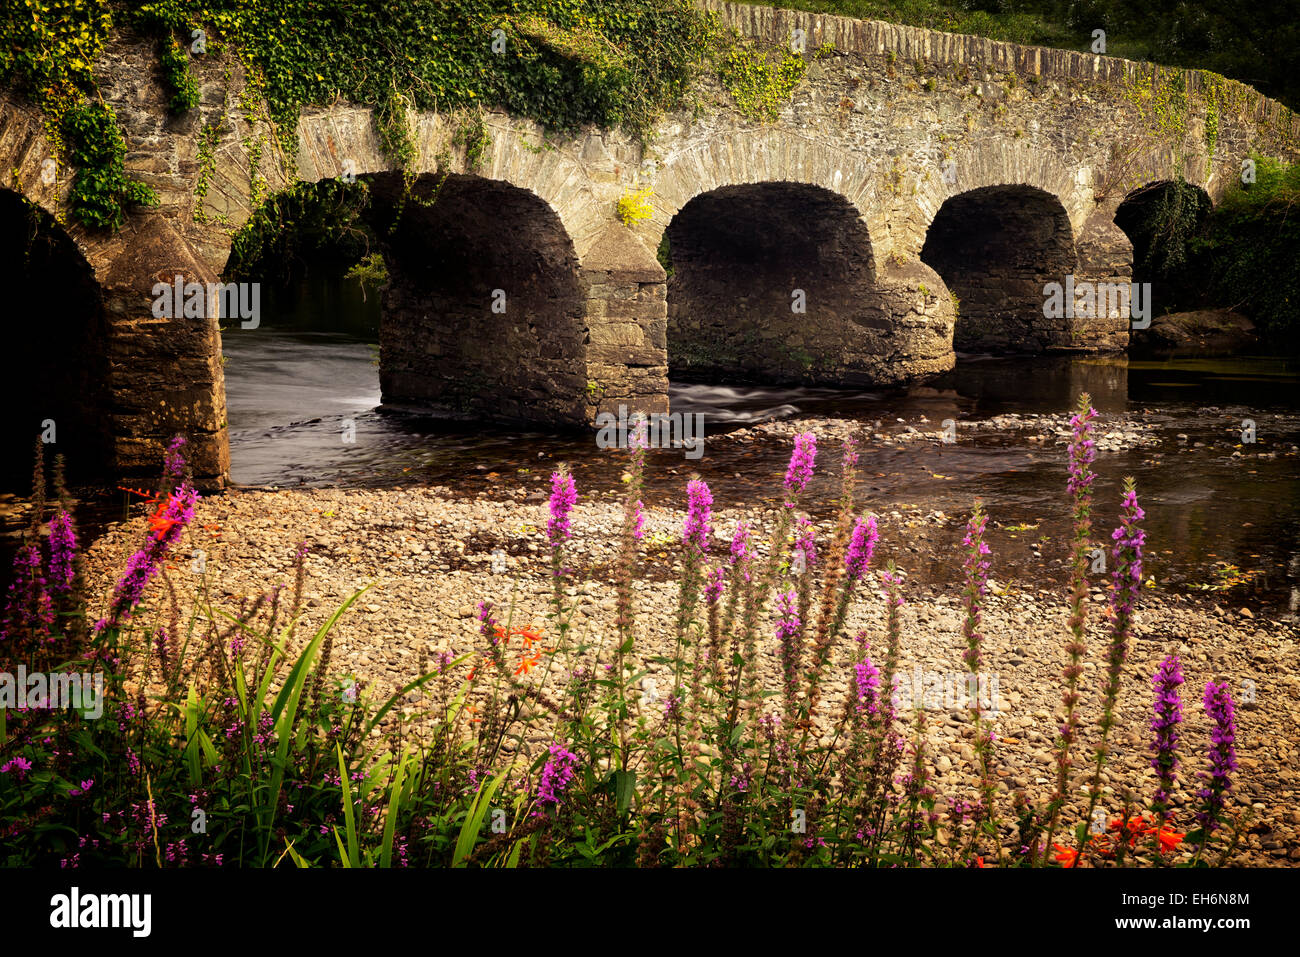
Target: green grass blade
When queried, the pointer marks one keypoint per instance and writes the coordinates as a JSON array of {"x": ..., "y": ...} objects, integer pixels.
[
  {"x": 349, "y": 815},
  {"x": 469, "y": 831},
  {"x": 343, "y": 854},
  {"x": 191, "y": 735},
  {"x": 390, "y": 822}
]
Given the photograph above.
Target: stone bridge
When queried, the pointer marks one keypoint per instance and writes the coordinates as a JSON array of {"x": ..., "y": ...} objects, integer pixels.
[{"x": 918, "y": 190}]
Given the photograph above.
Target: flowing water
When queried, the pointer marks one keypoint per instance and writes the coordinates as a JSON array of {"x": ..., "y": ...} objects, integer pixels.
[
  {"x": 1217, "y": 521},
  {"x": 1214, "y": 519}
]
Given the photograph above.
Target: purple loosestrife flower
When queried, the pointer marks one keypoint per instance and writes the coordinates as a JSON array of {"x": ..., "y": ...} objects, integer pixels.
[
  {"x": 556, "y": 775},
  {"x": 564, "y": 495},
  {"x": 1127, "y": 554},
  {"x": 806, "y": 543},
  {"x": 741, "y": 553},
  {"x": 787, "y": 625},
  {"x": 63, "y": 550},
  {"x": 788, "y": 628},
  {"x": 801, "y": 463},
  {"x": 1083, "y": 452},
  {"x": 173, "y": 464},
  {"x": 862, "y": 545},
  {"x": 713, "y": 587},
  {"x": 699, "y": 502},
  {"x": 170, "y": 522},
  {"x": 638, "y": 520},
  {"x": 1223, "y": 755},
  {"x": 740, "y": 543},
  {"x": 1164, "y": 745},
  {"x": 29, "y": 609},
  {"x": 867, "y": 682},
  {"x": 850, "y": 459}
]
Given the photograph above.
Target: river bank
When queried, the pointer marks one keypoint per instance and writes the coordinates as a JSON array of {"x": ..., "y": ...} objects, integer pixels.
[{"x": 430, "y": 555}]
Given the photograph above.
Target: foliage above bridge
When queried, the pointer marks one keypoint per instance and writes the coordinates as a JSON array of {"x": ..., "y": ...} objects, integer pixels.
[{"x": 565, "y": 63}]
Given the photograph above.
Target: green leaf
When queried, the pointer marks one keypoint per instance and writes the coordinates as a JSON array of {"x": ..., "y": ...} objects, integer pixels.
[
  {"x": 469, "y": 831},
  {"x": 349, "y": 812},
  {"x": 390, "y": 821},
  {"x": 624, "y": 789}
]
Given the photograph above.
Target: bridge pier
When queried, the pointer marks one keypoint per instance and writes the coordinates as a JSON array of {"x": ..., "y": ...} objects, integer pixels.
[
  {"x": 1105, "y": 256},
  {"x": 625, "y": 295},
  {"x": 164, "y": 374}
]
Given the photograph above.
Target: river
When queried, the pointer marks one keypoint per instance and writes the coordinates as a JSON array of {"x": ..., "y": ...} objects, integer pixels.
[{"x": 1218, "y": 521}]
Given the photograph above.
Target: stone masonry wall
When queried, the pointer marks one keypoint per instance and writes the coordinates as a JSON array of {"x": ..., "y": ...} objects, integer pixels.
[{"x": 895, "y": 121}]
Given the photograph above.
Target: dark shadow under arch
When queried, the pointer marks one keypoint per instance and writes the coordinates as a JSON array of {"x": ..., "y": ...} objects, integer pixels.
[
  {"x": 996, "y": 247},
  {"x": 56, "y": 360},
  {"x": 484, "y": 314},
  {"x": 741, "y": 258}
]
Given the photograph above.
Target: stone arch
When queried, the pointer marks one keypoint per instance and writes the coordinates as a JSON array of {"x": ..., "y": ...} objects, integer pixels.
[
  {"x": 517, "y": 154},
  {"x": 996, "y": 247},
  {"x": 754, "y": 156},
  {"x": 1128, "y": 217},
  {"x": 772, "y": 282},
  {"x": 1003, "y": 162},
  {"x": 55, "y": 376},
  {"x": 23, "y": 154},
  {"x": 485, "y": 313}
]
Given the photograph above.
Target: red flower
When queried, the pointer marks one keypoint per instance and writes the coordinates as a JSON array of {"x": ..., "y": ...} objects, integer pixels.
[
  {"x": 158, "y": 521},
  {"x": 1067, "y": 856}
]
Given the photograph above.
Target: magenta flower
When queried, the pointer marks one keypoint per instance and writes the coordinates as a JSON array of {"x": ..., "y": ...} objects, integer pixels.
[
  {"x": 699, "y": 502},
  {"x": 801, "y": 463},
  {"x": 141, "y": 567},
  {"x": 806, "y": 543},
  {"x": 787, "y": 610},
  {"x": 483, "y": 612},
  {"x": 556, "y": 775},
  {"x": 63, "y": 550},
  {"x": 862, "y": 546},
  {"x": 564, "y": 495},
  {"x": 1083, "y": 452},
  {"x": 741, "y": 553},
  {"x": 713, "y": 587},
  {"x": 1168, "y": 715},
  {"x": 20, "y": 766},
  {"x": 173, "y": 463},
  {"x": 1223, "y": 756},
  {"x": 638, "y": 520},
  {"x": 867, "y": 682},
  {"x": 1127, "y": 553},
  {"x": 29, "y": 609},
  {"x": 788, "y": 628}
]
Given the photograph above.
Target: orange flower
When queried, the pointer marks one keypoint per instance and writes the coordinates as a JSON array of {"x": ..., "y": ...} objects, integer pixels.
[
  {"x": 979, "y": 862},
  {"x": 1067, "y": 856},
  {"x": 528, "y": 664},
  {"x": 1169, "y": 839},
  {"x": 158, "y": 522}
]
